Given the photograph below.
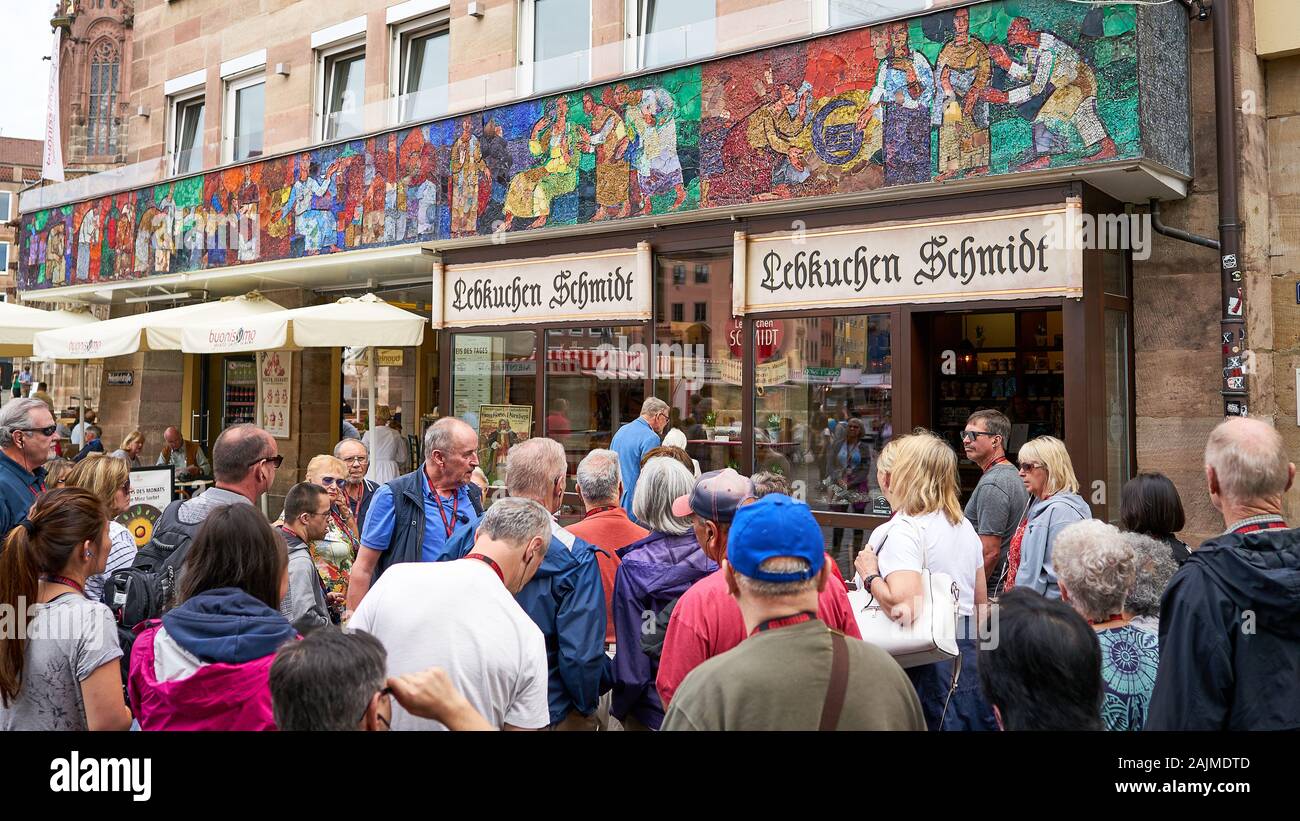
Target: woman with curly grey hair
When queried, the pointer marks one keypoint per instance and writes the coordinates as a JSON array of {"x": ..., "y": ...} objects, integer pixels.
[
  {"x": 1096, "y": 568},
  {"x": 1155, "y": 567}
]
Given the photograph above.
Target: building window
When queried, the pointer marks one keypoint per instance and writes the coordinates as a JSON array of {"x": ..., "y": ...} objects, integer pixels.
[
  {"x": 673, "y": 31},
  {"x": 6, "y": 206},
  {"x": 101, "y": 117},
  {"x": 245, "y": 110},
  {"x": 678, "y": 312},
  {"x": 342, "y": 90},
  {"x": 421, "y": 70},
  {"x": 701, "y": 311},
  {"x": 4, "y": 257},
  {"x": 186, "y": 142},
  {"x": 679, "y": 274},
  {"x": 701, "y": 275},
  {"x": 555, "y": 44},
  {"x": 841, "y": 13}
]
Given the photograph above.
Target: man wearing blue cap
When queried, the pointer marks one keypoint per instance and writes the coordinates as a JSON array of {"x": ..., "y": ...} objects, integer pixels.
[{"x": 793, "y": 672}]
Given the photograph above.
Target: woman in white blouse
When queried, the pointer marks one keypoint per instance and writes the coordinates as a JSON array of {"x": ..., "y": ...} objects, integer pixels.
[
  {"x": 918, "y": 475},
  {"x": 387, "y": 449}
]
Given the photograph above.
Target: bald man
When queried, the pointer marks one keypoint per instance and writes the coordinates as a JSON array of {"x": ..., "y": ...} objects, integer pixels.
[
  {"x": 187, "y": 457},
  {"x": 1230, "y": 617}
]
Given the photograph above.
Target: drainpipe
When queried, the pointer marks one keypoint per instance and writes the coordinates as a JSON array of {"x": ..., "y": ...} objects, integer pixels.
[{"x": 1233, "y": 319}]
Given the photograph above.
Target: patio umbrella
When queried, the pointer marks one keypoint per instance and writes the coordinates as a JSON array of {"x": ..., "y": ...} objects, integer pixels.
[{"x": 19, "y": 325}]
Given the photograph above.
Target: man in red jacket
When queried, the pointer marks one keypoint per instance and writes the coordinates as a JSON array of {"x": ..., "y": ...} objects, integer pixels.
[{"x": 706, "y": 621}]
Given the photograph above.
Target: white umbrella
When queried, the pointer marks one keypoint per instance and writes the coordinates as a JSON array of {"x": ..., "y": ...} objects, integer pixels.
[
  {"x": 19, "y": 324},
  {"x": 348, "y": 323},
  {"x": 154, "y": 331}
]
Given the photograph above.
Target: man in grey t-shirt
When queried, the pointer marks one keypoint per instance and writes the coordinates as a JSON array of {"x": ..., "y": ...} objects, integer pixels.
[{"x": 999, "y": 501}]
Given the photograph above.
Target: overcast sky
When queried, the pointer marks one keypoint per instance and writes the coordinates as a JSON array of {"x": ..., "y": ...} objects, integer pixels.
[{"x": 24, "y": 39}]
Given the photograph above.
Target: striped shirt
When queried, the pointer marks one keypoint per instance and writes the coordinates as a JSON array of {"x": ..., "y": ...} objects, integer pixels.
[{"x": 121, "y": 554}]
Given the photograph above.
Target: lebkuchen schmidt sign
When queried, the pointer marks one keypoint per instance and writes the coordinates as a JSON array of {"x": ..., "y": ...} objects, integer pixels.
[
  {"x": 590, "y": 287},
  {"x": 1005, "y": 255}
]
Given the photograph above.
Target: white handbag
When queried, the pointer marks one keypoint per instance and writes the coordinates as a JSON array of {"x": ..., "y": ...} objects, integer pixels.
[{"x": 932, "y": 636}]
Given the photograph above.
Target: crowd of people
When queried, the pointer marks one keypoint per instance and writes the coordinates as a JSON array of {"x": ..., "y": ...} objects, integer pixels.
[{"x": 677, "y": 602}]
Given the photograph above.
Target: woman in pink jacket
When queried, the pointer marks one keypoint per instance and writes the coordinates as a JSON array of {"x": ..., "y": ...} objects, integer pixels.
[{"x": 206, "y": 665}]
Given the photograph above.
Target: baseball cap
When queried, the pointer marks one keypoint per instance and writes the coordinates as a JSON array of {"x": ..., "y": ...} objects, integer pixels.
[
  {"x": 775, "y": 525},
  {"x": 716, "y": 496}
]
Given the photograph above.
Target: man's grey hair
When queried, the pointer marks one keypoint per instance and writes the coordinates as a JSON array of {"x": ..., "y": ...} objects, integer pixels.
[
  {"x": 1249, "y": 459},
  {"x": 1096, "y": 566},
  {"x": 533, "y": 466},
  {"x": 1155, "y": 567},
  {"x": 326, "y": 680},
  {"x": 767, "y": 482},
  {"x": 771, "y": 590},
  {"x": 661, "y": 481},
  {"x": 653, "y": 405},
  {"x": 598, "y": 475},
  {"x": 235, "y": 451},
  {"x": 441, "y": 435},
  {"x": 338, "y": 449},
  {"x": 516, "y": 521},
  {"x": 16, "y": 415}
]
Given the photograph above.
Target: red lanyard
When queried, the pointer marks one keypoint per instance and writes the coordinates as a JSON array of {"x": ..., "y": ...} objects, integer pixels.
[
  {"x": 488, "y": 560},
  {"x": 785, "y": 621},
  {"x": 455, "y": 504},
  {"x": 997, "y": 462},
  {"x": 66, "y": 581}
]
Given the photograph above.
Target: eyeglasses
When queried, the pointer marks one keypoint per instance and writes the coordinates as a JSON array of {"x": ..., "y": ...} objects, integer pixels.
[
  {"x": 1027, "y": 467},
  {"x": 48, "y": 430},
  {"x": 275, "y": 461},
  {"x": 126, "y": 486},
  {"x": 969, "y": 435},
  {"x": 356, "y": 460},
  {"x": 330, "y": 481}
]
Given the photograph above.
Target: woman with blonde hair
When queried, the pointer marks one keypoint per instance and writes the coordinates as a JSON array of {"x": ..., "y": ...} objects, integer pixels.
[
  {"x": 335, "y": 553},
  {"x": 109, "y": 479},
  {"x": 131, "y": 447},
  {"x": 1054, "y": 503},
  {"x": 918, "y": 475}
]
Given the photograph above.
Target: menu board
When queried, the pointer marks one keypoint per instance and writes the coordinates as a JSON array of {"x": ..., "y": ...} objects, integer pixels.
[{"x": 274, "y": 391}]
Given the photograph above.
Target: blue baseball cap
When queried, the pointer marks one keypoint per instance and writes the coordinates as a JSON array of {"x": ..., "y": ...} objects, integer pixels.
[{"x": 775, "y": 526}]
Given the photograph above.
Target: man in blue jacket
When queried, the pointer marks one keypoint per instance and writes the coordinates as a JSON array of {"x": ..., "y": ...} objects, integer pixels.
[
  {"x": 634, "y": 440},
  {"x": 27, "y": 437},
  {"x": 1230, "y": 617},
  {"x": 566, "y": 599}
]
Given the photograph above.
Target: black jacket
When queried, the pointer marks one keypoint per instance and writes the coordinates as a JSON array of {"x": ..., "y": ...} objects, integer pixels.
[{"x": 1230, "y": 637}]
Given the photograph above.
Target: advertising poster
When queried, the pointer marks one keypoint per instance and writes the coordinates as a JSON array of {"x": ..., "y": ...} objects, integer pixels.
[
  {"x": 274, "y": 372},
  {"x": 501, "y": 427},
  {"x": 151, "y": 492}
]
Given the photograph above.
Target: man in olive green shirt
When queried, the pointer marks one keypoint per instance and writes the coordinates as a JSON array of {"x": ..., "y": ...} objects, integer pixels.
[{"x": 780, "y": 677}]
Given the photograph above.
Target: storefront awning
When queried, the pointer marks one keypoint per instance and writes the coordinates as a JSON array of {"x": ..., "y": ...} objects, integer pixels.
[
  {"x": 19, "y": 325},
  {"x": 348, "y": 323}
]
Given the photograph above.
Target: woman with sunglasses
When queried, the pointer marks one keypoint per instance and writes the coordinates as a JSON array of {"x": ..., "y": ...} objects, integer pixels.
[
  {"x": 1054, "y": 503},
  {"x": 335, "y": 553},
  {"x": 109, "y": 479}
]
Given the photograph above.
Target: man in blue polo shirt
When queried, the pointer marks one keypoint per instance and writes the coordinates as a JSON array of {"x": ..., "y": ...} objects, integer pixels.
[
  {"x": 412, "y": 517},
  {"x": 634, "y": 440},
  {"x": 27, "y": 437}
]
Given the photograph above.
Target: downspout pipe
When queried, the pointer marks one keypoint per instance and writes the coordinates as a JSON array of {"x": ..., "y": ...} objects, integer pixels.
[
  {"x": 1234, "y": 386},
  {"x": 1177, "y": 233}
]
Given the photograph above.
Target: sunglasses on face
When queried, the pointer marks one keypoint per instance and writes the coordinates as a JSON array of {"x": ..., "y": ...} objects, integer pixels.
[
  {"x": 275, "y": 461},
  {"x": 330, "y": 481},
  {"x": 1028, "y": 467},
  {"x": 970, "y": 435},
  {"x": 48, "y": 430}
]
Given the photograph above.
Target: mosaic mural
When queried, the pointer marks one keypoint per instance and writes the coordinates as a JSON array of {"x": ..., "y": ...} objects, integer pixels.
[{"x": 993, "y": 89}]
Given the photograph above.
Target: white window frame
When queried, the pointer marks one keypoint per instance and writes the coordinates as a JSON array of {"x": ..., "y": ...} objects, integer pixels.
[
  {"x": 4, "y": 270},
  {"x": 637, "y": 42},
  {"x": 400, "y": 34},
  {"x": 175, "y": 102},
  {"x": 528, "y": 47},
  {"x": 324, "y": 56},
  {"x": 9, "y": 206},
  {"x": 235, "y": 84}
]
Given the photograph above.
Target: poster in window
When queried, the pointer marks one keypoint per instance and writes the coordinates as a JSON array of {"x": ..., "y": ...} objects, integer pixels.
[
  {"x": 274, "y": 392},
  {"x": 500, "y": 428},
  {"x": 151, "y": 492}
]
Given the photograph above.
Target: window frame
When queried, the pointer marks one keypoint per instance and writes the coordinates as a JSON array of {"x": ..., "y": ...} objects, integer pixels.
[
  {"x": 234, "y": 84},
  {"x": 326, "y": 56},
  {"x": 636, "y": 13},
  {"x": 399, "y": 38},
  {"x": 175, "y": 103},
  {"x": 527, "y": 50},
  {"x": 6, "y": 245},
  {"x": 9, "y": 206}
]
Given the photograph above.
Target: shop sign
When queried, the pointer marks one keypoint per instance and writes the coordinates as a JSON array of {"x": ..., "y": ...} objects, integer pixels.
[
  {"x": 613, "y": 285},
  {"x": 151, "y": 492},
  {"x": 121, "y": 379},
  {"x": 1005, "y": 255},
  {"x": 388, "y": 357},
  {"x": 766, "y": 374},
  {"x": 768, "y": 336}
]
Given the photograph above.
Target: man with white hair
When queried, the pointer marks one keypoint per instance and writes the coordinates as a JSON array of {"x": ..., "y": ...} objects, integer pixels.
[
  {"x": 634, "y": 440},
  {"x": 358, "y": 491},
  {"x": 566, "y": 598},
  {"x": 463, "y": 617},
  {"x": 1230, "y": 620},
  {"x": 27, "y": 438}
]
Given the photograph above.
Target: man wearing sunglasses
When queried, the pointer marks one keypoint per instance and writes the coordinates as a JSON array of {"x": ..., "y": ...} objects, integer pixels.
[
  {"x": 999, "y": 500},
  {"x": 27, "y": 438}
]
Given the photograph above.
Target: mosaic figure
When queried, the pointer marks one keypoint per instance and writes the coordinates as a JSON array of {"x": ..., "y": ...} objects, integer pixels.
[
  {"x": 554, "y": 138},
  {"x": 87, "y": 236},
  {"x": 607, "y": 138},
  {"x": 963, "y": 70},
  {"x": 317, "y": 227},
  {"x": 466, "y": 170},
  {"x": 246, "y": 201},
  {"x": 55, "y": 264},
  {"x": 495, "y": 150},
  {"x": 652, "y": 130},
  {"x": 905, "y": 91}
]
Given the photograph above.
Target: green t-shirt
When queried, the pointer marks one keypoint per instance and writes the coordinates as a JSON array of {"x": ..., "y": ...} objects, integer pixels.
[{"x": 777, "y": 680}]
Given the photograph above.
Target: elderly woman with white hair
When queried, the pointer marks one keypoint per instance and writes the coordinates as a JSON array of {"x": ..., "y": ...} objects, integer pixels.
[
  {"x": 1095, "y": 569},
  {"x": 653, "y": 574},
  {"x": 1155, "y": 567},
  {"x": 1054, "y": 504}
]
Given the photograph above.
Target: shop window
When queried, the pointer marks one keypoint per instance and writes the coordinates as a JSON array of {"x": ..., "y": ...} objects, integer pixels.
[
  {"x": 1114, "y": 271},
  {"x": 555, "y": 43},
  {"x": 701, "y": 311},
  {"x": 1119, "y": 465},
  {"x": 494, "y": 389},
  {"x": 595, "y": 384},
  {"x": 245, "y": 112},
  {"x": 186, "y": 123},
  {"x": 673, "y": 31},
  {"x": 342, "y": 72},
  {"x": 821, "y": 422},
  {"x": 698, "y": 367},
  {"x": 678, "y": 315},
  {"x": 421, "y": 69},
  {"x": 395, "y": 375}
]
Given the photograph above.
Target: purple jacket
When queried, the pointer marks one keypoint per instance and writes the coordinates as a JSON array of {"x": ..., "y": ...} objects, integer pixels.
[{"x": 654, "y": 573}]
